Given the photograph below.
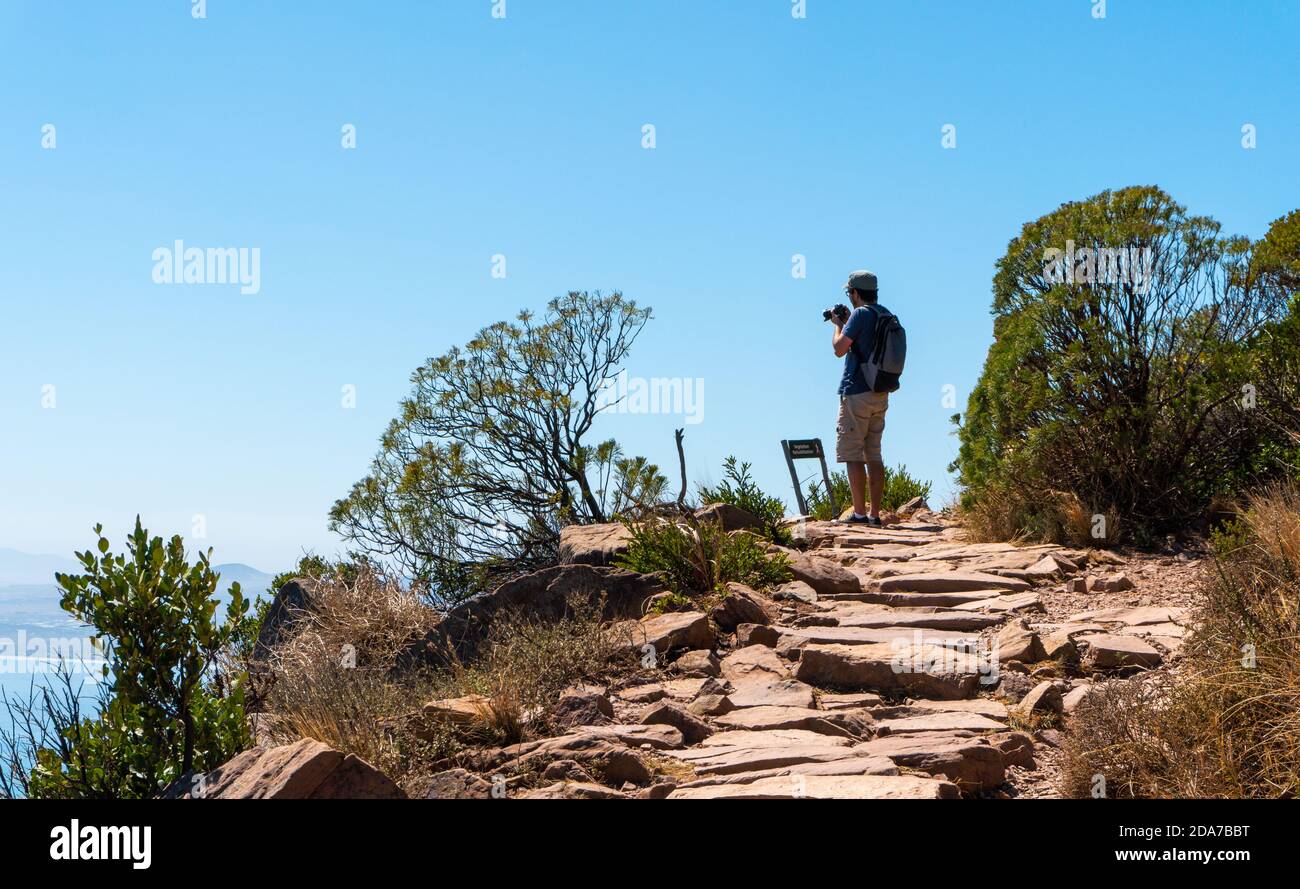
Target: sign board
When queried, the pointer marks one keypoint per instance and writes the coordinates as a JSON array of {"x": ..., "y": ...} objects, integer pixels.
[{"x": 803, "y": 449}]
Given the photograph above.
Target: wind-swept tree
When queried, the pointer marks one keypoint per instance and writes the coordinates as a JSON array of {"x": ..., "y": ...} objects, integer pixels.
[{"x": 489, "y": 456}]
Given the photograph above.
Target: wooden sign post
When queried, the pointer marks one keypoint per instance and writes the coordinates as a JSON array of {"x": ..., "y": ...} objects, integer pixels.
[{"x": 805, "y": 449}]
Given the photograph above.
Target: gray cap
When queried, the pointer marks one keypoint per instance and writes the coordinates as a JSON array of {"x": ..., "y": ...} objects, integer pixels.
[{"x": 861, "y": 280}]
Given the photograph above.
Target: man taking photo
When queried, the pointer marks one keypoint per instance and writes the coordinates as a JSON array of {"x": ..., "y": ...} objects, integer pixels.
[{"x": 861, "y": 421}]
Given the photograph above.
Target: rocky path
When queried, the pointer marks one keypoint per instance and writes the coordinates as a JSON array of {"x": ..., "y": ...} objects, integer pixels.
[{"x": 900, "y": 663}]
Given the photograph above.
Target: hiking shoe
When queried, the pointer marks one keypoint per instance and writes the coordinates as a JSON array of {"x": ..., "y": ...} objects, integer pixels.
[{"x": 855, "y": 519}]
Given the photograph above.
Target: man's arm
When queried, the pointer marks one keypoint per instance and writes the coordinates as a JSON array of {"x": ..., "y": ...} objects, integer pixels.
[{"x": 839, "y": 342}]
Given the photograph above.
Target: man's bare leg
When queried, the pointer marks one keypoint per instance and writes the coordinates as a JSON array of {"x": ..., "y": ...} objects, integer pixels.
[
  {"x": 877, "y": 470},
  {"x": 857, "y": 473}
]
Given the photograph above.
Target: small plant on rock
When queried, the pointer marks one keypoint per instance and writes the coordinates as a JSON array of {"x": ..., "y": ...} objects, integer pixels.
[{"x": 738, "y": 489}]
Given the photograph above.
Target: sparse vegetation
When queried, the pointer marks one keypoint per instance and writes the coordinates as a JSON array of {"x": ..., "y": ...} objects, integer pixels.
[
  {"x": 698, "y": 557},
  {"x": 1227, "y": 724},
  {"x": 739, "y": 489},
  {"x": 338, "y": 676},
  {"x": 900, "y": 487}
]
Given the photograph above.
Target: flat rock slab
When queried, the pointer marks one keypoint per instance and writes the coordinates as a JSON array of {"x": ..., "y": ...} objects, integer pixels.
[
  {"x": 753, "y": 662},
  {"x": 929, "y": 672},
  {"x": 772, "y": 693},
  {"x": 1014, "y": 602},
  {"x": 826, "y": 787},
  {"x": 792, "y": 639},
  {"x": 961, "y": 552},
  {"x": 983, "y": 706},
  {"x": 851, "y": 701},
  {"x": 683, "y": 689},
  {"x": 1176, "y": 631},
  {"x": 717, "y": 760},
  {"x": 1106, "y": 652},
  {"x": 853, "y": 765},
  {"x": 959, "y": 621},
  {"x": 945, "y": 581},
  {"x": 1146, "y": 614},
  {"x": 844, "y": 724},
  {"x": 952, "y": 721},
  {"x": 956, "y": 598},
  {"x": 659, "y": 737},
  {"x": 969, "y": 762},
  {"x": 776, "y": 738}
]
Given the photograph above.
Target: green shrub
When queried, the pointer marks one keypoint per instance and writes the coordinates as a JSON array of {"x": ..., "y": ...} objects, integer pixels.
[
  {"x": 699, "y": 557},
  {"x": 169, "y": 704},
  {"x": 739, "y": 489},
  {"x": 900, "y": 487},
  {"x": 1121, "y": 398}
]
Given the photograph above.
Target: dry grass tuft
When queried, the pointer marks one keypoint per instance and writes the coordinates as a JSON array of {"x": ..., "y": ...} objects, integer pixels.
[
  {"x": 1012, "y": 513},
  {"x": 1228, "y": 723},
  {"x": 337, "y": 678}
]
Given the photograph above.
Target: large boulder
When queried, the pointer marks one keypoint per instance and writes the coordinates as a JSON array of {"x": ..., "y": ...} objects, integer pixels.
[
  {"x": 545, "y": 595},
  {"x": 291, "y": 600},
  {"x": 676, "y": 629},
  {"x": 593, "y": 544},
  {"x": 458, "y": 784},
  {"x": 733, "y": 518},
  {"x": 826, "y": 577},
  {"x": 740, "y": 605},
  {"x": 306, "y": 769}
]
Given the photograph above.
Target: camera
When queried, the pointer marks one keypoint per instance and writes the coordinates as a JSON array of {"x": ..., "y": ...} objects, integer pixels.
[{"x": 839, "y": 311}]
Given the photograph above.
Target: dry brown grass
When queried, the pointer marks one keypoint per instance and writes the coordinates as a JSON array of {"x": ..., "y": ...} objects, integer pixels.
[
  {"x": 1227, "y": 724},
  {"x": 337, "y": 678},
  {"x": 1013, "y": 513}
]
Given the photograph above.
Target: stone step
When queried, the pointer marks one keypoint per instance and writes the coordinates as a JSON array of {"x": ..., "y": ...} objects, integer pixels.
[
  {"x": 928, "y": 671},
  {"x": 840, "y": 723},
  {"x": 853, "y": 765},
  {"x": 947, "y": 581},
  {"x": 791, "y": 640},
  {"x": 971, "y": 763},
  {"x": 826, "y": 787},
  {"x": 953, "y": 599},
  {"x": 953, "y": 721},
  {"x": 960, "y": 621}
]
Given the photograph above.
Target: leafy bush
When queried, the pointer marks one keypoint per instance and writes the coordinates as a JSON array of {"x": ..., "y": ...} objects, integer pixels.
[
  {"x": 169, "y": 705},
  {"x": 1228, "y": 724},
  {"x": 699, "y": 557},
  {"x": 1124, "y": 398},
  {"x": 900, "y": 487},
  {"x": 738, "y": 489}
]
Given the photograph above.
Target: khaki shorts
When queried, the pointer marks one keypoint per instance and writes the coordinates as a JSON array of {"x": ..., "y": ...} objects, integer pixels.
[{"x": 861, "y": 425}]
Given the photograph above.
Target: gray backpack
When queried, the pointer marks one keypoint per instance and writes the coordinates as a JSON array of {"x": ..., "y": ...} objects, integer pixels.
[{"x": 883, "y": 357}]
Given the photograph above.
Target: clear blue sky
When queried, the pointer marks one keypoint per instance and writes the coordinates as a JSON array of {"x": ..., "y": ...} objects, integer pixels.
[{"x": 478, "y": 136}]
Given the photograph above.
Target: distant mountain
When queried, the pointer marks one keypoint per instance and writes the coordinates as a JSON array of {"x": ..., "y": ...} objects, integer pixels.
[
  {"x": 252, "y": 583},
  {"x": 30, "y": 578},
  {"x": 23, "y": 569}
]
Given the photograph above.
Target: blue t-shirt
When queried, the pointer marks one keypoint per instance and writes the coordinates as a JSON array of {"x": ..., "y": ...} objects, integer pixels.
[{"x": 861, "y": 328}]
